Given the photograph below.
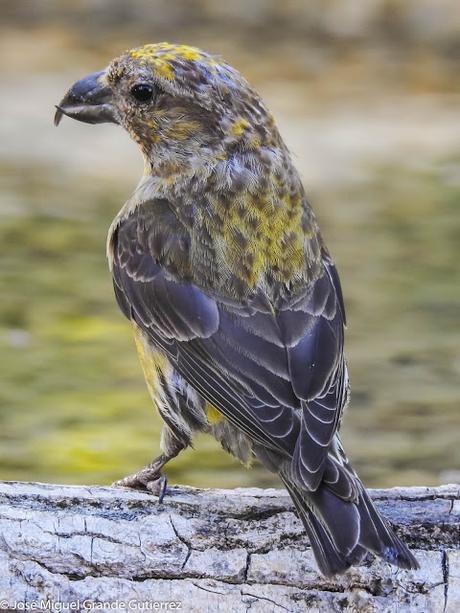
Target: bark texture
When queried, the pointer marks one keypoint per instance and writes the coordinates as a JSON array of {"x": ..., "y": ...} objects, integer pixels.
[{"x": 211, "y": 550}]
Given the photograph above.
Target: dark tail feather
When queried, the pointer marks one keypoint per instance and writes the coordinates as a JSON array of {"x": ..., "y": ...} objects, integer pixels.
[
  {"x": 341, "y": 532},
  {"x": 328, "y": 558},
  {"x": 391, "y": 548}
]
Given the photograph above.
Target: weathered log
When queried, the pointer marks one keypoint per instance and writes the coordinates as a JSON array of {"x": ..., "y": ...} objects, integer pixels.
[{"x": 211, "y": 550}]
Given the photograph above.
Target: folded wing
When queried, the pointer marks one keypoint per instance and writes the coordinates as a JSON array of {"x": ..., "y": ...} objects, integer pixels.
[{"x": 276, "y": 371}]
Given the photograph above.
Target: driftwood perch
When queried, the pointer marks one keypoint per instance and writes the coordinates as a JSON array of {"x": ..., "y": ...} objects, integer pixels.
[{"x": 211, "y": 550}]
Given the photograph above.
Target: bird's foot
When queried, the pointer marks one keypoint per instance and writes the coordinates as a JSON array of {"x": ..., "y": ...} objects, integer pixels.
[{"x": 148, "y": 478}]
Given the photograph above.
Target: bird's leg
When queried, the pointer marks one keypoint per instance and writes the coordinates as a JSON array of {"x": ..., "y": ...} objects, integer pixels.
[{"x": 150, "y": 477}]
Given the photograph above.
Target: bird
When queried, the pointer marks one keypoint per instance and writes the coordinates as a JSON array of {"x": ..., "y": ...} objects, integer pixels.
[{"x": 236, "y": 304}]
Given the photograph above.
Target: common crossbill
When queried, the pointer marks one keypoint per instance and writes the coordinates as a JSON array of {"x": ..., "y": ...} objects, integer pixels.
[{"x": 218, "y": 262}]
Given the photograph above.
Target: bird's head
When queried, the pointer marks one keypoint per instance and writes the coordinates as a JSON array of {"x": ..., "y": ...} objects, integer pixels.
[{"x": 181, "y": 105}]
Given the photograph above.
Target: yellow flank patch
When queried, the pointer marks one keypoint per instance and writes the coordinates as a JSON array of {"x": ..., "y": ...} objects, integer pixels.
[
  {"x": 213, "y": 415},
  {"x": 153, "y": 363}
]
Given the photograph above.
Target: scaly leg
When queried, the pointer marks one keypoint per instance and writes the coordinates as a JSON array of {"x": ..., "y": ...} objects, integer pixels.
[{"x": 150, "y": 477}]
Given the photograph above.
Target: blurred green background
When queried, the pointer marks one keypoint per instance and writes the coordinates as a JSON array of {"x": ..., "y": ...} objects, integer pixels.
[{"x": 367, "y": 97}]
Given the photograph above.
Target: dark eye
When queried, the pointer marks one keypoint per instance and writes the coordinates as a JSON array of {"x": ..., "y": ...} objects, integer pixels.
[{"x": 143, "y": 92}]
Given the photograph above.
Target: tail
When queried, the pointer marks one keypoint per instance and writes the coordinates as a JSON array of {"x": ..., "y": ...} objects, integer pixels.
[{"x": 342, "y": 531}]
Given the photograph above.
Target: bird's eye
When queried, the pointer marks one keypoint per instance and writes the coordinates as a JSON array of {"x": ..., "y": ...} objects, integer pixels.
[{"x": 143, "y": 92}]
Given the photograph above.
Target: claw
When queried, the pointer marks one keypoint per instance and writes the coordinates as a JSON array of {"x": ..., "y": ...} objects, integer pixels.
[
  {"x": 158, "y": 487},
  {"x": 163, "y": 484},
  {"x": 155, "y": 484}
]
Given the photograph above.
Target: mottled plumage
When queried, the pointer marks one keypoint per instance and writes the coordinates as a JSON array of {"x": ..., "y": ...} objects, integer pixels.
[{"x": 218, "y": 261}]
